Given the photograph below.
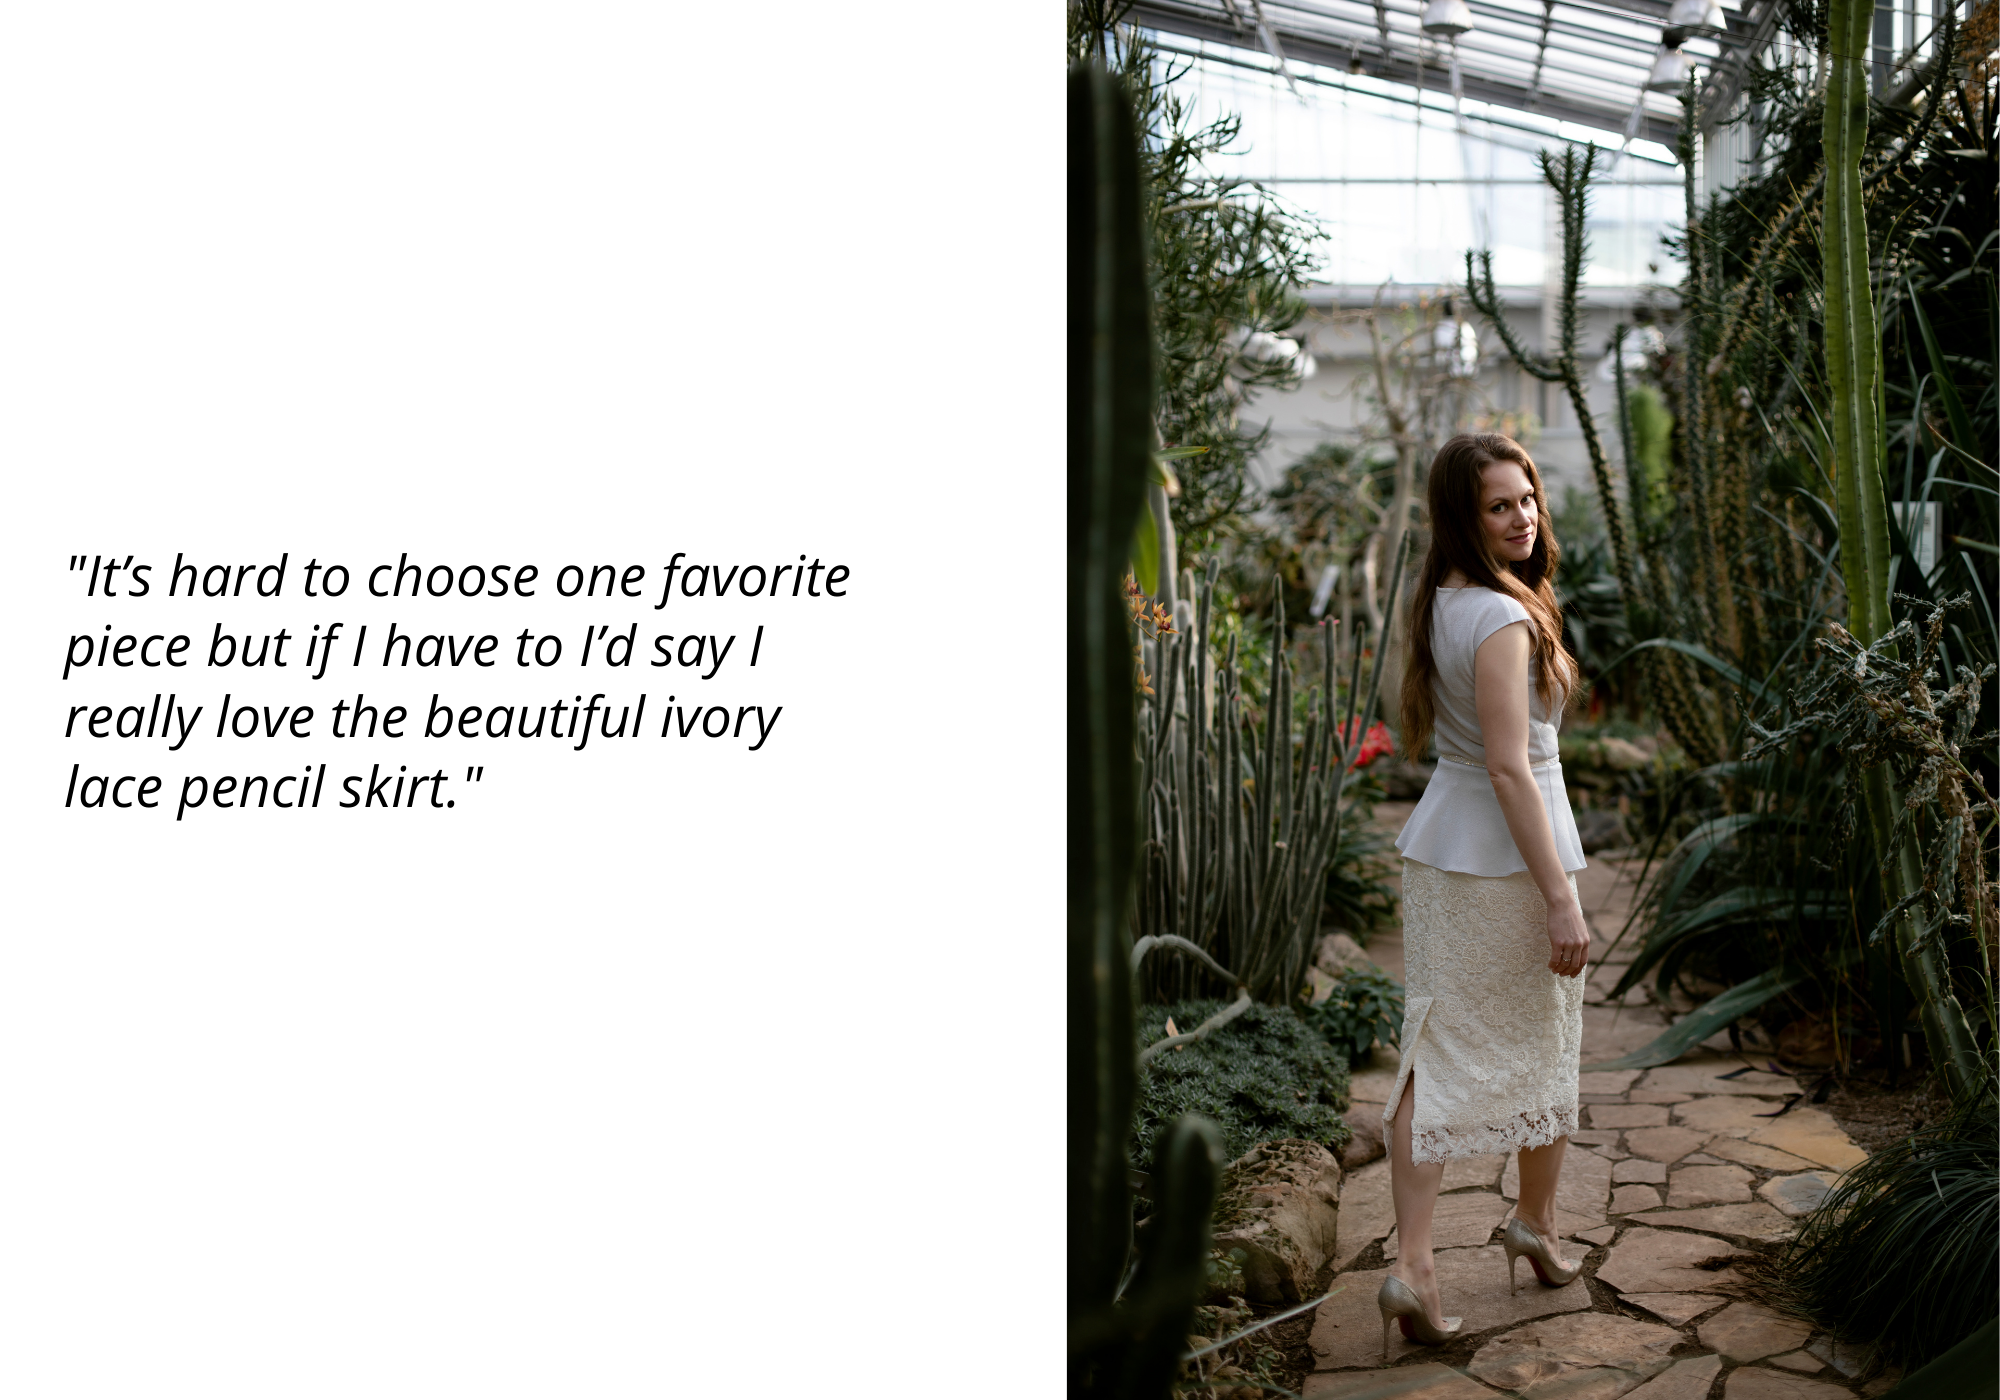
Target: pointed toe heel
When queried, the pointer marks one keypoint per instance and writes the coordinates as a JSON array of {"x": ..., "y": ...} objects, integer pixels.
[
  {"x": 1399, "y": 1304},
  {"x": 1521, "y": 1242}
]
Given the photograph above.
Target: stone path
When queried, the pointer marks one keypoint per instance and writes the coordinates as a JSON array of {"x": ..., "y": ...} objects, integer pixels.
[{"x": 1676, "y": 1170}]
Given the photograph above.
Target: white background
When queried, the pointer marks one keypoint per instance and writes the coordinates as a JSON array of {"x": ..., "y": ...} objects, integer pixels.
[{"x": 658, "y": 1069}]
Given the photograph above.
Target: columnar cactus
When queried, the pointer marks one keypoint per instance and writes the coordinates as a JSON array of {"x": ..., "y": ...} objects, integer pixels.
[{"x": 1129, "y": 1348}]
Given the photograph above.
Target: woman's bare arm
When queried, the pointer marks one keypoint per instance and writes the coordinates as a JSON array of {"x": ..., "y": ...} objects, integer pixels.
[{"x": 1500, "y": 681}]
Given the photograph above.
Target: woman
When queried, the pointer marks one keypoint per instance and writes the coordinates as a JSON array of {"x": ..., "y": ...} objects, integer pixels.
[{"x": 1494, "y": 939}]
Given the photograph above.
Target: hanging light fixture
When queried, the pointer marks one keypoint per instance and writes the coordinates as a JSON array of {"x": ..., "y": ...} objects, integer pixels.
[
  {"x": 1693, "y": 16},
  {"x": 1447, "y": 19},
  {"x": 1670, "y": 68}
]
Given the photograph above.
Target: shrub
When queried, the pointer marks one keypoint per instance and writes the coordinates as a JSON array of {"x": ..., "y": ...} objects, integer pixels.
[
  {"x": 1366, "y": 1006},
  {"x": 1265, "y": 1075}
]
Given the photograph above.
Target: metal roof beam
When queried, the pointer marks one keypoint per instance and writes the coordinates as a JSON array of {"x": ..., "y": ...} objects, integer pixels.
[{"x": 1195, "y": 21}]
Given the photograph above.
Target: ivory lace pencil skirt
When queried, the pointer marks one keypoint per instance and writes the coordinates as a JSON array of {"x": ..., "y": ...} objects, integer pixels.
[{"x": 1490, "y": 1035}]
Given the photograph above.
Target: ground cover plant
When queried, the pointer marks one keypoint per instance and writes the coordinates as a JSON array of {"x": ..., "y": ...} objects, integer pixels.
[{"x": 1267, "y": 1074}]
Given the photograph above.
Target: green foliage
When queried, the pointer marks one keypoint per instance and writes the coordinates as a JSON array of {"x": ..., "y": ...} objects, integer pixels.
[
  {"x": 1904, "y": 1253},
  {"x": 1359, "y": 895},
  {"x": 1366, "y": 1005},
  {"x": 1265, "y": 1075},
  {"x": 1831, "y": 356},
  {"x": 1228, "y": 263}
]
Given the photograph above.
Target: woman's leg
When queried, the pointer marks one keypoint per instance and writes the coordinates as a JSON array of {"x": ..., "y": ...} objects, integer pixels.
[
  {"x": 1415, "y": 1188},
  {"x": 1540, "y": 1168}
]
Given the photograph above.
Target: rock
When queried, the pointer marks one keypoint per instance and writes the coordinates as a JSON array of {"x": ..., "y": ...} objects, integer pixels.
[
  {"x": 1702, "y": 1159},
  {"x": 1606, "y": 1081},
  {"x": 1367, "y": 1211},
  {"x": 1601, "y": 830},
  {"x": 1812, "y": 1134},
  {"x": 1427, "y": 1382},
  {"x": 1708, "y": 1186},
  {"x": 1756, "y": 1383},
  {"x": 1627, "y": 1200},
  {"x": 1747, "y": 1332},
  {"x": 1663, "y": 1144},
  {"x": 1842, "y": 1356},
  {"x": 1319, "y": 985},
  {"x": 1677, "y": 1308},
  {"x": 1727, "y": 1115},
  {"x": 1347, "y": 1328},
  {"x": 1612, "y": 1153},
  {"x": 1654, "y": 1096},
  {"x": 1372, "y": 1085},
  {"x": 1593, "y": 1137},
  {"x": 1460, "y": 1221},
  {"x": 1704, "y": 1079},
  {"x": 1281, "y": 1204},
  {"x": 1801, "y": 1361},
  {"x": 1463, "y": 1172},
  {"x": 1751, "y": 1224},
  {"x": 1582, "y": 1191},
  {"x": 1546, "y": 1356},
  {"x": 1750, "y": 1154},
  {"x": 1337, "y": 952},
  {"x": 1659, "y": 1261},
  {"x": 1687, "y": 1379},
  {"x": 1602, "y": 1235},
  {"x": 1622, "y": 754},
  {"x": 1639, "y": 1169},
  {"x": 1797, "y": 1195},
  {"x": 1365, "y": 1121},
  {"x": 1627, "y": 1115}
]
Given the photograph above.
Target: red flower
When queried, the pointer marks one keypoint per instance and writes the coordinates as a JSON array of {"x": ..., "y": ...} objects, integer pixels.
[{"x": 1376, "y": 742}]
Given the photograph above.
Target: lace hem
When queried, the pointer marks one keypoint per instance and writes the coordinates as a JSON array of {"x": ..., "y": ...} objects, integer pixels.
[{"x": 1537, "y": 1128}]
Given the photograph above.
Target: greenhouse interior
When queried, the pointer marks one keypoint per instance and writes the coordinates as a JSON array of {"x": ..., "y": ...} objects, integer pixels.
[{"x": 1709, "y": 286}]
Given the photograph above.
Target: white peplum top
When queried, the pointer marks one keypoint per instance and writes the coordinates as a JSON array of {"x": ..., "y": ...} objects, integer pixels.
[{"x": 1459, "y": 825}]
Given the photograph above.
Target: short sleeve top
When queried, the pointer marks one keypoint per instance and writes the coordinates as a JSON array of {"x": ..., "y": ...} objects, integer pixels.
[
  {"x": 1461, "y": 619},
  {"x": 1459, "y": 825}
]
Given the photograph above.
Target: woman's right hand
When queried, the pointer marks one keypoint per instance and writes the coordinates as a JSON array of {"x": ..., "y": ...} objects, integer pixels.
[{"x": 1569, "y": 939}]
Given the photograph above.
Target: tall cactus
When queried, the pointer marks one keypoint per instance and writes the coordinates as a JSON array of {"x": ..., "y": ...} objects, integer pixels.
[
  {"x": 1127, "y": 1348},
  {"x": 1569, "y": 176},
  {"x": 1853, "y": 372},
  {"x": 1238, "y": 867}
]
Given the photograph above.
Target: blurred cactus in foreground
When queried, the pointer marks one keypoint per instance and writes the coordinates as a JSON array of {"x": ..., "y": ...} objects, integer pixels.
[{"x": 1130, "y": 1310}]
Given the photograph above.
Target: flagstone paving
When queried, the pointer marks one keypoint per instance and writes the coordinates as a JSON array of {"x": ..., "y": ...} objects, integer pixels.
[{"x": 1679, "y": 1170}]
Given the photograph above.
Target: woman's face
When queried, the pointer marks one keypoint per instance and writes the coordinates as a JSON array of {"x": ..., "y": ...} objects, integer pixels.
[{"x": 1507, "y": 511}]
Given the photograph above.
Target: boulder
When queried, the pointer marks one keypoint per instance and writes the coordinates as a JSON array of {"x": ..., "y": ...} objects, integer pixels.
[
  {"x": 1364, "y": 1120},
  {"x": 1601, "y": 830},
  {"x": 1280, "y": 1205},
  {"x": 1337, "y": 952}
]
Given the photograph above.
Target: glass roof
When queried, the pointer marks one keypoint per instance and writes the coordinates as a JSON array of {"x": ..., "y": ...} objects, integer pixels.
[{"x": 1582, "y": 61}]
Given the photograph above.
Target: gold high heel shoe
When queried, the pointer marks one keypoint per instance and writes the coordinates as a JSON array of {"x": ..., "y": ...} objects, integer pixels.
[
  {"x": 1399, "y": 1303},
  {"x": 1518, "y": 1240}
]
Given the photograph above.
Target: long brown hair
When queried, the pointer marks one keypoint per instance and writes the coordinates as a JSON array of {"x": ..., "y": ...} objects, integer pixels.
[{"x": 1458, "y": 542}]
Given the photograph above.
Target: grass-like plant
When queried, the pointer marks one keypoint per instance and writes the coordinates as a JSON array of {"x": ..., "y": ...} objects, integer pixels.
[{"x": 1904, "y": 1254}]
